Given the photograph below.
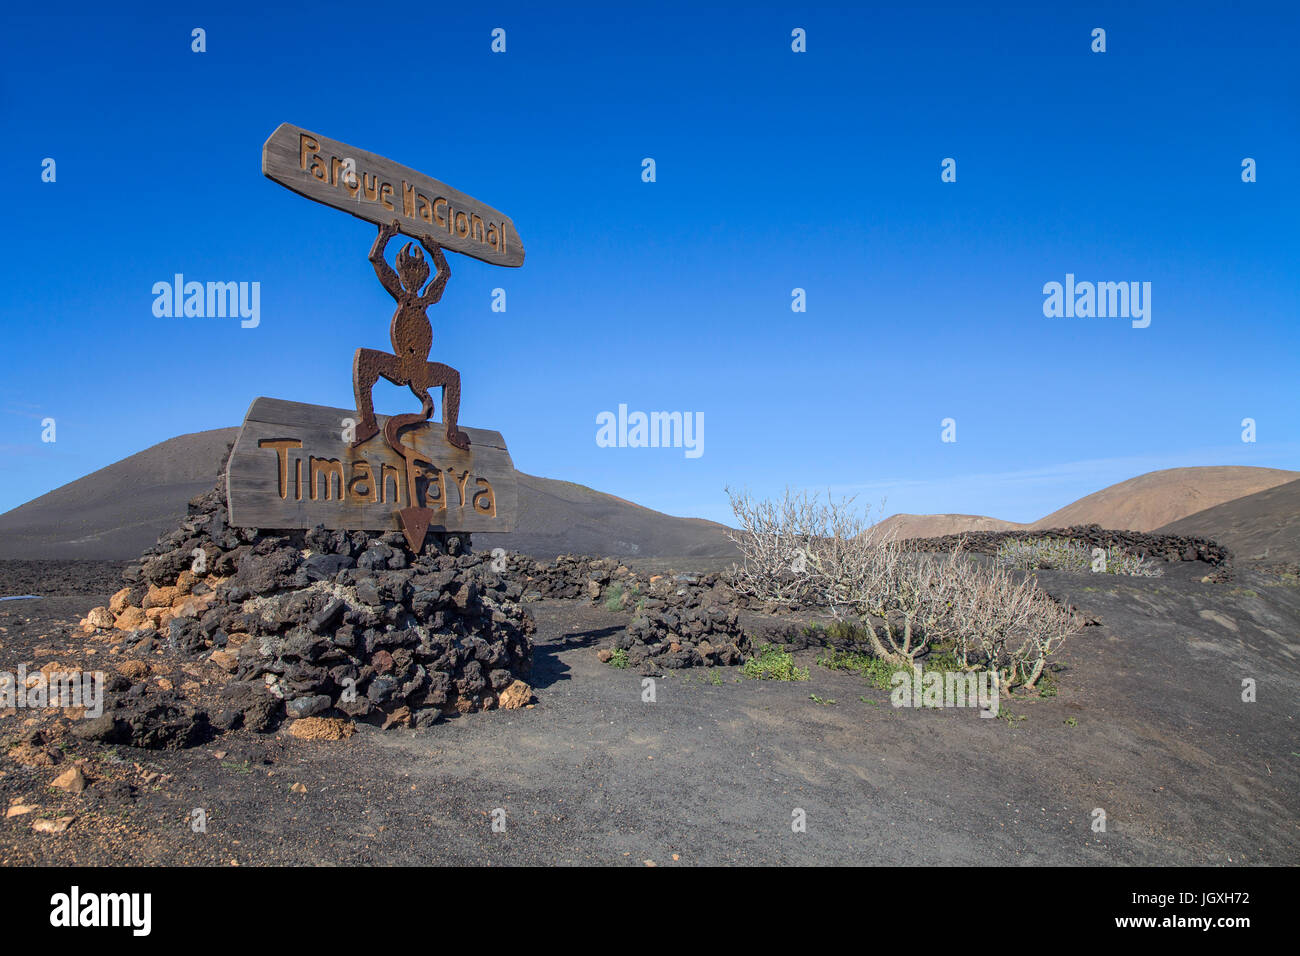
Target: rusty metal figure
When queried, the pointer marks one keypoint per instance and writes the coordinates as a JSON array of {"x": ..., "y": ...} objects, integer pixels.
[{"x": 412, "y": 337}]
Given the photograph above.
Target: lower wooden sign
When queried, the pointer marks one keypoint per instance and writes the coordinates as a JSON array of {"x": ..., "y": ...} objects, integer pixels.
[{"x": 296, "y": 466}]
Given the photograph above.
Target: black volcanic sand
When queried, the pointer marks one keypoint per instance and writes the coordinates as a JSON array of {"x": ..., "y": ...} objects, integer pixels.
[
  {"x": 44, "y": 578},
  {"x": 1262, "y": 529},
  {"x": 1148, "y": 724}
]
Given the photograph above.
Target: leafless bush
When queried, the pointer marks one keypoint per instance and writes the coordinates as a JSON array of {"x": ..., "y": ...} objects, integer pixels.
[
  {"x": 774, "y": 539},
  {"x": 802, "y": 551},
  {"x": 1001, "y": 622}
]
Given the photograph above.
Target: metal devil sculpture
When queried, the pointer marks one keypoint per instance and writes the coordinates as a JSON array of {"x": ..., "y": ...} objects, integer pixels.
[{"x": 288, "y": 468}]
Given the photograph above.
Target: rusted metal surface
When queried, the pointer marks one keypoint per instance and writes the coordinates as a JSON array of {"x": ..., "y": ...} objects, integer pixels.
[
  {"x": 287, "y": 461},
  {"x": 412, "y": 337},
  {"x": 408, "y": 364}
]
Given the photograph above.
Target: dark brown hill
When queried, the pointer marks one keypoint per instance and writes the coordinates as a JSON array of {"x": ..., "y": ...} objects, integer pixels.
[
  {"x": 1263, "y": 527},
  {"x": 118, "y": 511}
]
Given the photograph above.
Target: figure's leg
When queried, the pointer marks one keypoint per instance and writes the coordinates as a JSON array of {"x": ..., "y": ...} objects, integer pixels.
[
  {"x": 367, "y": 366},
  {"x": 437, "y": 374}
]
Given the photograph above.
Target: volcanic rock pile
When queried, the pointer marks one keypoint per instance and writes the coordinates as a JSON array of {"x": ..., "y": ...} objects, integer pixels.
[
  {"x": 571, "y": 576},
  {"x": 317, "y": 623},
  {"x": 685, "y": 637},
  {"x": 685, "y": 620},
  {"x": 679, "y": 620},
  {"x": 606, "y": 581},
  {"x": 1159, "y": 547}
]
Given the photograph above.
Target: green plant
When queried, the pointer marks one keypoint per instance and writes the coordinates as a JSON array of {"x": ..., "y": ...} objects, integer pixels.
[
  {"x": 618, "y": 658},
  {"x": 614, "y": 597},
  {"x": 772, "y": 663},
  {"x": 1062, "y": 554},
  {"x": 821, "y": 700},
  {"x": 1071, "y": 722},
  {"x": 877, "y": 671}
]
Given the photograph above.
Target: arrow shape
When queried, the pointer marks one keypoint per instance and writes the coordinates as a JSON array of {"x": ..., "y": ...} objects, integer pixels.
[{"x": 415, "y": 523}]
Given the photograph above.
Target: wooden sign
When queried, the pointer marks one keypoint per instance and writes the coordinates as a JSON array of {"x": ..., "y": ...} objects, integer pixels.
[
  {"x": 295, "y": 466},
  {"x": 379, "y": 190}
]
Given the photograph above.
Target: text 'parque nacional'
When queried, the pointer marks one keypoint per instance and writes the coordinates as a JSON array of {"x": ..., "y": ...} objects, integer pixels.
[{"x": 379, "y": 190}]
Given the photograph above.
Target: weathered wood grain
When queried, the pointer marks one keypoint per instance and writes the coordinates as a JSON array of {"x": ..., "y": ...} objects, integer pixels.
[
  {"x": 379, "y": 190},
  {"x": 265, "y": 488}
]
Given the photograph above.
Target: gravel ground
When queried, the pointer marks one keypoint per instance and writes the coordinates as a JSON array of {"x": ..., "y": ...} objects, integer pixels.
[
  {"x": 60, "y": 577},
  {"x": 1148, "y": 725}
]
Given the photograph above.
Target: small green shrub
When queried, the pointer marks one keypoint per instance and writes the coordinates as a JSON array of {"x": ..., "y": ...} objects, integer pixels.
[
  {"x": 880, "y": 673},
  {"x": 772, "y": 663},
  {"x": 877, "y": 672},
  {"x": 1061, "y": 554},
  {"x": 618, "y": 658},
  {"x": 614, "y": 597}
]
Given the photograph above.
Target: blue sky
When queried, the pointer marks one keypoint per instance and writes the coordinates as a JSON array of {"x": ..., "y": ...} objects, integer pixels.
[{"x": 775, "y": 170}]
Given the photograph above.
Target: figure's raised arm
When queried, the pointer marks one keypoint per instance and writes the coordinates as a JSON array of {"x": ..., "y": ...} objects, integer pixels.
[
  {"x": 434, "y": 290},
  {"x": 387, "y": 277}
]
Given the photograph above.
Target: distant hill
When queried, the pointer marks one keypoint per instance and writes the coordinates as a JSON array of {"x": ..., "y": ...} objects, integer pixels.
[
  {"x": 905, "y": 526},
  {"x": 560, "y": 517},
  {"x": 1156, "y": 498},
  {"x": 1144, "y": 503},
  {"x": 1263, "y": 527},
  {"x": 119, "y": 511}
]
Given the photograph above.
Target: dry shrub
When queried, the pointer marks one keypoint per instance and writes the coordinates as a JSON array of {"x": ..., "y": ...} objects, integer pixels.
[{"x": 803, "y": 551}]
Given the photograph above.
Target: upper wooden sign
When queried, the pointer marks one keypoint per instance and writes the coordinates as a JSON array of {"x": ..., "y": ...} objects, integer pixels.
[{"x": 379, "y": 190}]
